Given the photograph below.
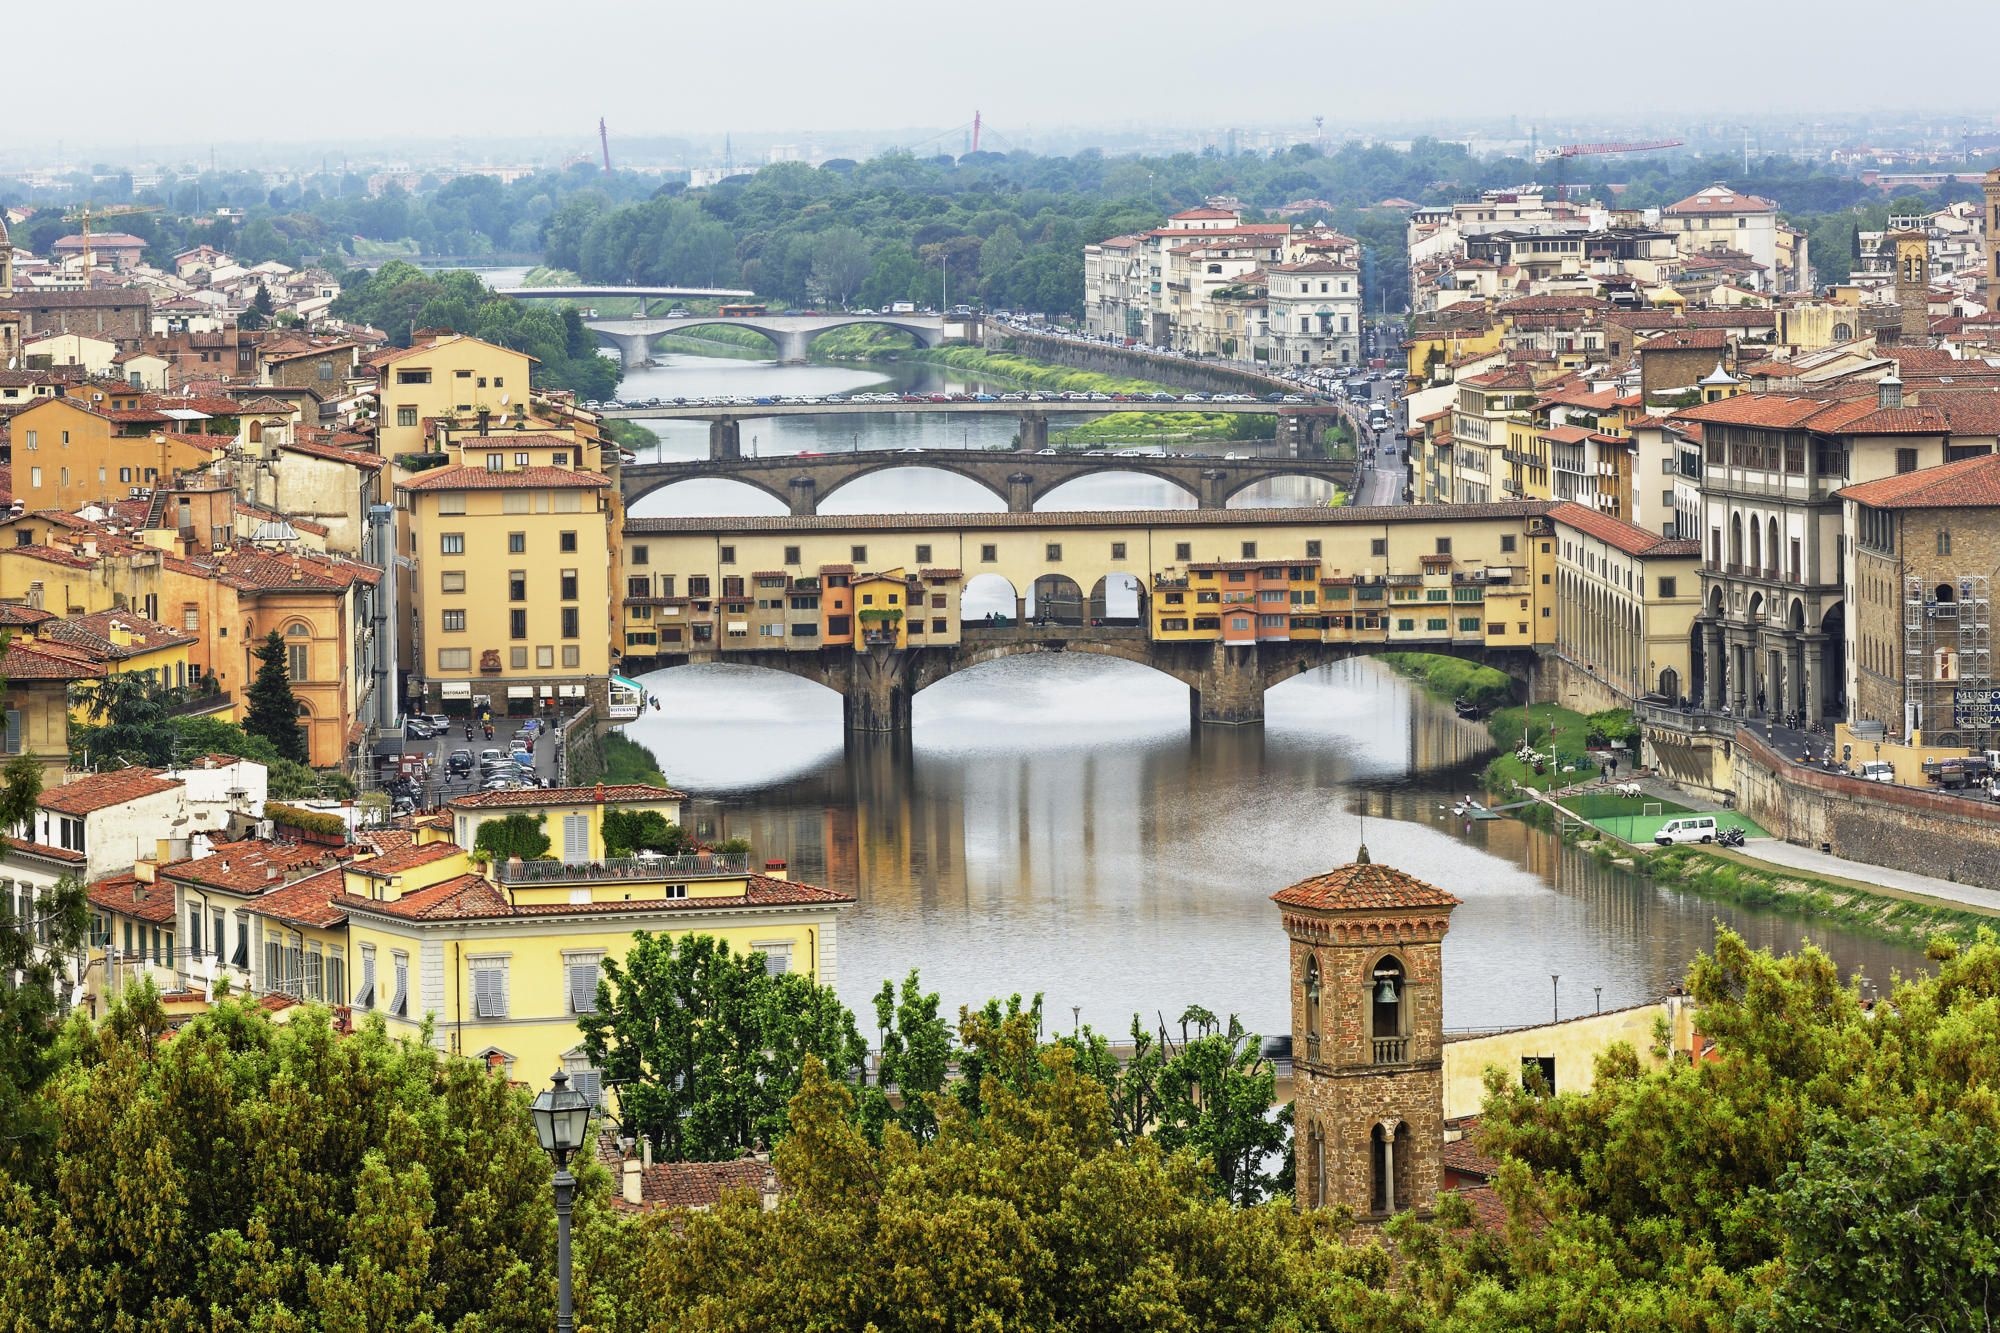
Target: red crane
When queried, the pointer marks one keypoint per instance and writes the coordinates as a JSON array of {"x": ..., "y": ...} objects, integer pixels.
[
  {"x": 604, "y": 142},
  {"x": 975, "y": 131},
  {"x": 1565, "y": 152}
]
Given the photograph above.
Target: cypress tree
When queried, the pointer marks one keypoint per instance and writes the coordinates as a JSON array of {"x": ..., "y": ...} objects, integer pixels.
[{"x": 274, "y": 712}]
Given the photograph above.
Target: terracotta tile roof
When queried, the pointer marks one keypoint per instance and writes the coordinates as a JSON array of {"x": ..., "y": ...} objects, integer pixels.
[
  {"x": 93, "y": 633},
  {"x": 312, "y": 901},
  {"x": 1627, "y": 537},
  {"x": 628, "y": 791},
  {"x": 1666, "y": 317},
  {"x": 471, "y": 897},
  {"x": 1707, "y": 340},
  {"x": 16, "y": 613},
  {"x": 694, "y": 1184},
  {"x": 1970, "y": 483},
  {"x": 1463, "y": 1155},
  {"x": 479, "y": 479},
  {"x": 125, "y": 895},
  {"x": 1513, "y": 378},
  {"x": 52, "y": 661},
  {"x": 1363, "y": 886},
  {"x": 42, "y": 849},
  {"x": 1531, "y": 305},
  {"x": 250, "y": 570},
  {"x": 1489, "y": 1210},
  {"x": 1718, "y": 199},
  {"x": 251, "y": 866},
  {"x": 54, "y": 555},
  {"x": 101, "y": 791},
  {"x": 334, "y": 453},
  {"x": 408, "y": 856}
]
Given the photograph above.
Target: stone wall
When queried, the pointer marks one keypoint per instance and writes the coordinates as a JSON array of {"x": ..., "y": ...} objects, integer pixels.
[
  {"x": 583, "y": 746},
  {"x": 1574, "y": 688},
  {"x": 1923, "y": 832},
  {"x": 1109, "y": 359}
]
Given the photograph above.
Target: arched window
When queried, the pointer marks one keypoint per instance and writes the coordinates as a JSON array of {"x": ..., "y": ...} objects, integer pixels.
[
  {"x": 1312, "y": 1006},
  {"x": 1388, "y": 1020},
  {"x": 1736, "y": 539},
  {"x": 1756, "y": 546},
  {"x": 1771, "y": 546},
  {"x": 1944, "y": 592},
  {"x": 1843, "y": 333}
]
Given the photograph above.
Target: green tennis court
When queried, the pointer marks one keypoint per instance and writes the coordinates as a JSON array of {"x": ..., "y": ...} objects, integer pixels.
[{"x": 1638, "y": 828}]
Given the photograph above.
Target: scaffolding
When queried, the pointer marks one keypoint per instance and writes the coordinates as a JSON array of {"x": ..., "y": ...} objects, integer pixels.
[{"x": 1947, "y": 647}]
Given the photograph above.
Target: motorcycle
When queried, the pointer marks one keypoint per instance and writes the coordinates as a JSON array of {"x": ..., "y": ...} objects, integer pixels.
[{"x": 1729, "y": 837}]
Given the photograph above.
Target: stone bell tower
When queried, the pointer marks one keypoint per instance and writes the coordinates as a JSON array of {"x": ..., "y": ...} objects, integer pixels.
[
  {"x": 1990, "y": 184},
  {"x": 1367, "y": 1037},
  {"x": 1913, "y": 279}
]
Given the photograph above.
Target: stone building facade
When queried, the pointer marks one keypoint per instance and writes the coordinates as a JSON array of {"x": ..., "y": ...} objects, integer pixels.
[
  {"x": 1367, "y": 1037},
  {"x": 1926, "y": 545}
]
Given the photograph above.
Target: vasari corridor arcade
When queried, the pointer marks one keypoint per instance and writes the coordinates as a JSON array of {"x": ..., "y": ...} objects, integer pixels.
[{"x": 1230, "y": 602}]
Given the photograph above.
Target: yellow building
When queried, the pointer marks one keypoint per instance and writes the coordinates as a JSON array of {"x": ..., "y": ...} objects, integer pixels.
[
  {"x": 573, "y": 817},
  {"x": 881, "y": 605},
  {"x": 37, "y": 705},
  {"x": 1626, "y": 602},
  {"x": 1488, "y": 407},
  {"x": 513, "y": 549},
  {"x": 444, "y": 377},
  {"x": 67, "y": 454}
]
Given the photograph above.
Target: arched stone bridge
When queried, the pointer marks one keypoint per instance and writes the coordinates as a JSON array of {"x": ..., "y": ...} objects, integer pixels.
[
  {"x": 791, "y": 335},
  {"x": 801, "y": 482},
  {"x": 1226, "y": 682}
]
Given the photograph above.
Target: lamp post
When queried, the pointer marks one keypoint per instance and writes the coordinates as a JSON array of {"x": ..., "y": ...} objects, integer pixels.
[
  {"x": 562, "y": 1117},
  {"x": 1555, "y": 996}
]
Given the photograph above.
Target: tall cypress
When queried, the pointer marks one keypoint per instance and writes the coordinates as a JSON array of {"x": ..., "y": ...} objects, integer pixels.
[{"x": 274, "y": 712}]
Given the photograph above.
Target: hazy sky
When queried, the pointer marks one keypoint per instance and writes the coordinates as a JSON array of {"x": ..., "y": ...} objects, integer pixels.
[{"x": 231, "y": 70}]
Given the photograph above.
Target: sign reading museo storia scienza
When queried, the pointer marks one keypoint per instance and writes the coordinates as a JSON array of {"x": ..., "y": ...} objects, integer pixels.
[{"x": 1975, "y": 709}]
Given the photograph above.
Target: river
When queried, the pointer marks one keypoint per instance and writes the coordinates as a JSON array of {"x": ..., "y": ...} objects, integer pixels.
[{"x": 1053, "y": 824}]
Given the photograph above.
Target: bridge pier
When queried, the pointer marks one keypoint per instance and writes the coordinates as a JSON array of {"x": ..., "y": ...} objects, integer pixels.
[
  {"x": 634, "y": 349},
  {"x": 725, "y": 438},
  {"x": 1020, "y": 493},
  {"x": 1302, "y": 433},
  {"x": 1034, "y": 432},
  {"x": 804, "y": 496},
  {"x": 792, "y": 348},
  {"x": 877, "y": 693},
  {"x": 1211, "y": 489},
  {"x": 1230, "y": 688}
]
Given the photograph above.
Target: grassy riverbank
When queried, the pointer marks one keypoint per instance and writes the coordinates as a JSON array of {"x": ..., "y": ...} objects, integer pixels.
[
  {"x": 625, "y": 760},
  {"x": 1866, "y": 908}
]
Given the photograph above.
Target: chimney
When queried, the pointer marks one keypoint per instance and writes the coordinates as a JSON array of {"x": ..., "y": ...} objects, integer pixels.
[
  {"x": 597, "y": 793},
  {"x": 1889, "y": 391},
  {"x": 272, "y": 874},
  {"x": 632, "y": 1181},
  {"x": 775, "y": 870}
]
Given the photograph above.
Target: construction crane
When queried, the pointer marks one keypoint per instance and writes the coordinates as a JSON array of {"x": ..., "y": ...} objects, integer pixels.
[
  {"x": 1562, "y": 154},
  {"x": 978, "y": 123},
  {"x": 604, "y": 141},
  {"x": 84, "y": 213}
]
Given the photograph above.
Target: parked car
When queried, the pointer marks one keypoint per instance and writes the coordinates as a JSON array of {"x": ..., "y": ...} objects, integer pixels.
[
  {"x": 460, "y": 762},
  {"x": 1686, "y": 828},
  {"x": 1877, "y": 770}
]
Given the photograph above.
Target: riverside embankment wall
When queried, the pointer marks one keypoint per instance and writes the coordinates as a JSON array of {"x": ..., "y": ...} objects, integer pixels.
[
  {"x": 1108, "y": 359},
  {"x": 1904, "y": 828}
]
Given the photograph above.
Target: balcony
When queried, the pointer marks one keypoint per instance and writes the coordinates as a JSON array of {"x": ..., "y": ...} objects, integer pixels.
[
  {"x": 1392, "y": 1050},
  {"x": 708, "y": 866}
]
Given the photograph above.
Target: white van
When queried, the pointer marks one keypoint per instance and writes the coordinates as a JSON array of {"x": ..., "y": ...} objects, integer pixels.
[
  {"x": 1878, "y": 770},
  {"x": 1687, "y": 828}
]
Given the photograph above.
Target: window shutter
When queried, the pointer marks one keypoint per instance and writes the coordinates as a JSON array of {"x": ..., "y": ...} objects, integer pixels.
[
  {"x": 590, "y": 1083},
  {"x": 489, "y": 990},
  {"x": 336, "y": 980},
  {"x": 273, "y": 978},
  {"x": 13, "y": 731},
  {"x": 576, "y": 839},
  {"x": 583, "y": 987},
  {"x": 400, "y": 1006},
  {"x": 315, "y": 976},
  {"x": 365, "y": 999}
]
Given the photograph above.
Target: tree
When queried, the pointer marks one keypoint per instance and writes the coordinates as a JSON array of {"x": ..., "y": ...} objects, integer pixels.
[
  {"x": 840, "y": 263},
  {"x": 129, "y": 719},
  {"x": 294, "y": 1178},
  {"x": 629, "y": 831},
  {"x": 706, "y": 1047},
  {"x": 913, "y": 1046},
  {"x": 519, "y": 834},
  {"x": 1033, "y": 1216},
  {"x": 260, "y": 312},
  {"x": 1215, "y": 1098},
  {"x": 274, "y": 712}
]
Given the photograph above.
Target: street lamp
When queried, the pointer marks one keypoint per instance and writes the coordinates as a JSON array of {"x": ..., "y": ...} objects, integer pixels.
[{"x": 562, "y": 1117}]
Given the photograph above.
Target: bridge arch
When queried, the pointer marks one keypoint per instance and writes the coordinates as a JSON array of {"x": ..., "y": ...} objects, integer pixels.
[
  {"x": 1055, "y": 599},
  {"x": 1235, "y": 486},
  {"x": 865, "y": 465},
  {"x": 1117, "y": 598},
  {"x": 985, "y": 595},
  {"x": 767, "y": 484},
  {"x": 1052, "y": 499},
  {"x": 1135, "y": 651},
  {"x": 924, "y": 337}
]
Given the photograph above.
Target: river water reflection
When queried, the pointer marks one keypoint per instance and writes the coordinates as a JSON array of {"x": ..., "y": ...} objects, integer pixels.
[{"x": 1055, "y": 824}]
